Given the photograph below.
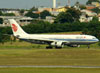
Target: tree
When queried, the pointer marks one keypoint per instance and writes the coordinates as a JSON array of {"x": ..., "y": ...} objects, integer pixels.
[
  {"x": 9, "y": 14},
  {"x": 95, "y": 19},
  {"x": 0, "y": 37},
  {"x": 71, "y": 15},
  {"x": 35, "y": 15},
  {"x": 82, "y": 7},
  {"x": 1, "y": 21},
  {"x": 93, "y": 29},
  {"x": 90, "y": 1},
  {"x": 75, "y": 13},
  {"x": 44, "y": 14},
  {"x": 29, "y": 14},
  {"x": 64, "y": 17},
  {"x": 96, "y": 10},
  {"x": 1, "y": 13},
  {"x": 21, "y": 12},
  {"x": 85, "y": 31},
  {"x": 32, "y": 15},
  {"x": 33, "y": 9}
]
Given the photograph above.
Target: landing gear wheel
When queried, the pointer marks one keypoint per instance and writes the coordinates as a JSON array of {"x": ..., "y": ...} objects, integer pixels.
[
  {"x": 58, "y": 47},
  {"x": 49, "y": 47},
  {"x": 88, "y": 46}
]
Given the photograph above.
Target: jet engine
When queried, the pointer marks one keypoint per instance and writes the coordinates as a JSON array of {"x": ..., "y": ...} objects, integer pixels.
[{"x": 57, "y": 44}]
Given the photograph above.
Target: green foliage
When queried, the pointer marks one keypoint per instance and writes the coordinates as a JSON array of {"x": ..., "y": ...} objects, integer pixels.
[
  {"x": 75, "y": 13},
  {"x": 35, "y": 15},
  {"x": 93, "y": 28},
  {"x": 6, "y": 30},
  {"x": 44, "y": 14},
  {"x": 1, "y": 13},
  {"x": 29, "y": 14},
  {"x": 71, "y": 15},
  {"x": 32, "y": 15},
  {"x": 45, "y": 27},
  {"x": 0, "y": 37},
  {"x": 96, "y": 10},
  {"x": 37, "y": 27},
  {"x": 1, "y": 21},
  {"x": 85, "y": 31},
  {"x": 33, "y": 9},
  {"x": 6, "y": 14},
  {"x": 9, "y": 14},
  {"x": 64, "y": 17},
  {"x": 82, "y": 7},
  {"x": 95, "y": 19},
  {"x": 90, "y": 1},
  {"x": 5, "y": 33},
  {"x": 22, "y": 11}
]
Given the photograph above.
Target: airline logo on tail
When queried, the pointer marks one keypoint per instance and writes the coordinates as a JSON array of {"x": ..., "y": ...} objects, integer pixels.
[{"x": 14, "y": 27}]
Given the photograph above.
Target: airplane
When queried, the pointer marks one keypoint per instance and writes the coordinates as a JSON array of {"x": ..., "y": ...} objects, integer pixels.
[{"x": 57, "y": 41}]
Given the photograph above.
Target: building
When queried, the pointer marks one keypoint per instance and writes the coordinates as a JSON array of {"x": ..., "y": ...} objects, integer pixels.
[
  {"x": 49, "y": 19},
  {"x": 15, "y": 11},
  {"x": 61, "y": 9},
  {"x": 96, "y": 4},
  {"x": 40, "y": 9},
  {"x": 20, "y": 19},
  {"x": 89, "y": 7},
  {"x": 89, "y": 12},
  {"x": 83, "y": 18}
]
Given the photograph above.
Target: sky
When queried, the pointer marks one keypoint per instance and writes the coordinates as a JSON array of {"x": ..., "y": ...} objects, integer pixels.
[{"x": 26, "y": 4}]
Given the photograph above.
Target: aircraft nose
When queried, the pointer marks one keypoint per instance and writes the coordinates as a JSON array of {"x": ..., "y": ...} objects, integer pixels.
[{"x": 97, "y": 40}]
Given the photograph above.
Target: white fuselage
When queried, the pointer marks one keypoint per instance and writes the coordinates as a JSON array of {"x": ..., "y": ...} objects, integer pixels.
[{"x": 72, "y": 39}]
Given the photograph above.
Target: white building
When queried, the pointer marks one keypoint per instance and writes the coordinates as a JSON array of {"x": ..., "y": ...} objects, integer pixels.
[
  {"x": 83, "y": 18},
  {"x": 49, "y": 19},
  {"x": 20, "y": 19},
  {"x": 15, "y": 11},
  {"x": 88, "y": 12},
  {"x": 98, "y": 18}
]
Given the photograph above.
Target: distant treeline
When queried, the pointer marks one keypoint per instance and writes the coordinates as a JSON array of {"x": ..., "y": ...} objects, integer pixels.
[{"x": 45, "y": 27}]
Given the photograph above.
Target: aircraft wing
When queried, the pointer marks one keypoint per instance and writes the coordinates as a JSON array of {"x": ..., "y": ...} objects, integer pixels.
[{"x": 50, "y": 41}]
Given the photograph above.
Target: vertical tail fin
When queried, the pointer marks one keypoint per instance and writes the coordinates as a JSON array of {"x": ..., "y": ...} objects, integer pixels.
[{"x": 17, "y": 30}]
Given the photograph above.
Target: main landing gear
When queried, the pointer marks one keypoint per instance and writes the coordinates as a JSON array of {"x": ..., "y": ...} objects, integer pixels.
[
  {"x": 51, "y": 47},
  {"x": 58, "y": 47},
  {"x": 88, "y": 46}
]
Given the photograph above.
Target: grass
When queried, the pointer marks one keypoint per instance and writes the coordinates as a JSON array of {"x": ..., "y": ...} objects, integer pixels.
[
  {"x": 48, "y": 70},
  {"x": 21, "y": 53},
  {"x": 21, "y": 45},
  {"x": 26, "y": 45}
]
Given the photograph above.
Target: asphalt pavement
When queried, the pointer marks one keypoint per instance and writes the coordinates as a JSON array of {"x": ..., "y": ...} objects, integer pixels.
[{"x": 26, "y": 66}]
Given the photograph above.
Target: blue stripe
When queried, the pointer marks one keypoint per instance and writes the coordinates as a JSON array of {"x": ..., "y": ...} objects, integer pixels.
[{"x": 92, "y": 40}]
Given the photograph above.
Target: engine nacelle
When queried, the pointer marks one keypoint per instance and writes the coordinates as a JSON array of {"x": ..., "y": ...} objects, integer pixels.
[{"x": 57, "y": 44}]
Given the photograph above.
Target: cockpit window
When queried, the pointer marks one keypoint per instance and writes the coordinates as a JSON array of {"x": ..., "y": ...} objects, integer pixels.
[{"x": 94, "y": 38}]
